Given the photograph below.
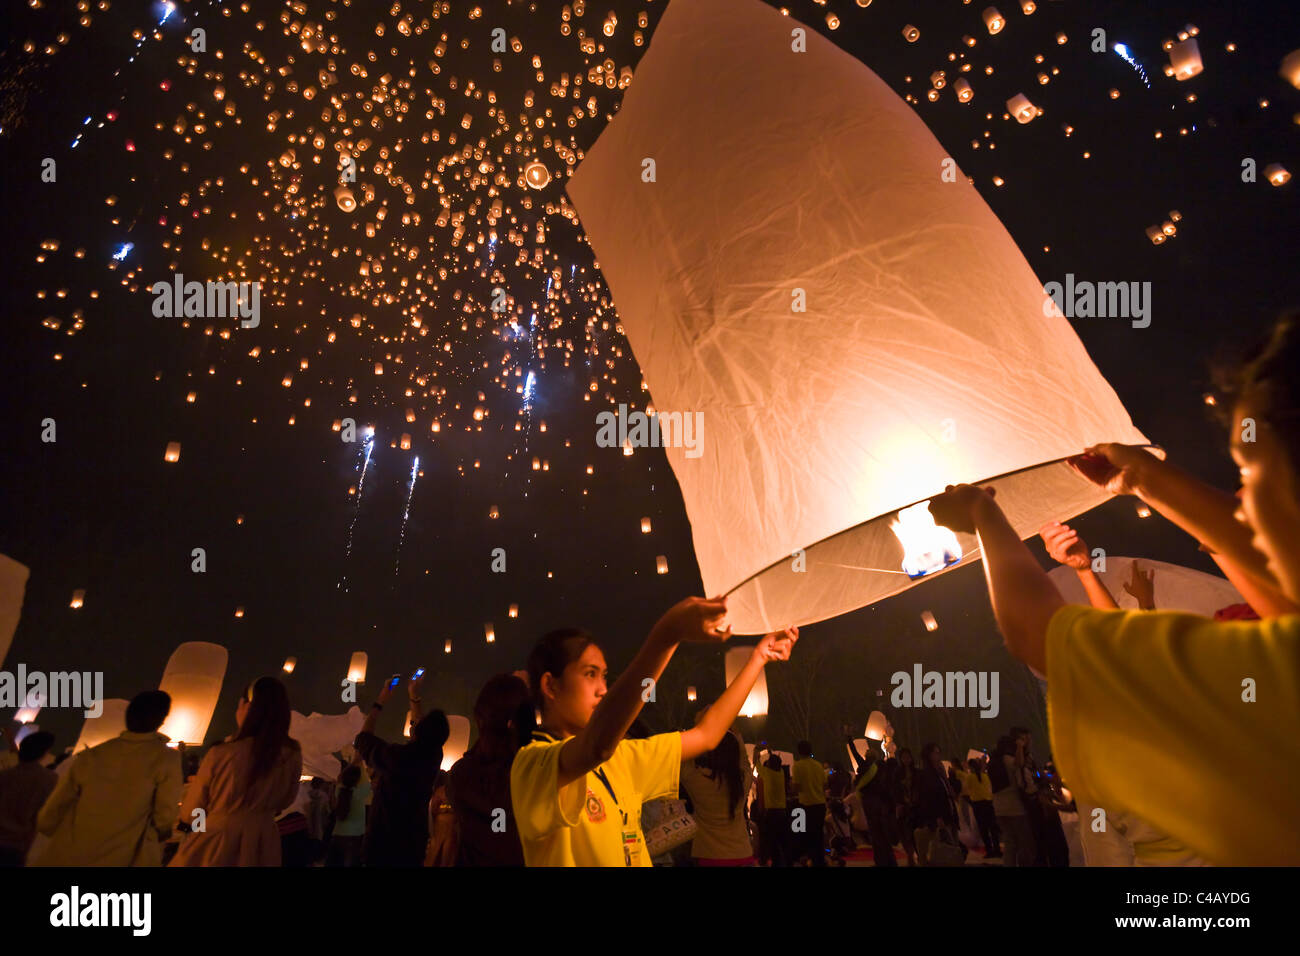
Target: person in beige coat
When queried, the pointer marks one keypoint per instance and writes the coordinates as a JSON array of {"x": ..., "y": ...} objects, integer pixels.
[
  {"x": 118, "y": 801},
  {"x": 242, "y": 785}
]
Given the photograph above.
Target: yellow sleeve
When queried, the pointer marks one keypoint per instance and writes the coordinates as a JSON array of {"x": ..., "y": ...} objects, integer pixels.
[
  {"x": 541, "y": 807},
  {"x": 1188, "y": 723},
  {"x": 654, "y": 764}
]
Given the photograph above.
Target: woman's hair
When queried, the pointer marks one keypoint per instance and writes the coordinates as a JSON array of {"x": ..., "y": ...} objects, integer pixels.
[
  {"x": 351, "y": 776},
  {"x": 552, "y": 654},
  {"x": 925, "y": 754},
  {"x": 503, "y": 699},
  {"x": 1266, "y": 378},
  {"x": 722, "y": 766},
  {"x": 267, "y": 723}
]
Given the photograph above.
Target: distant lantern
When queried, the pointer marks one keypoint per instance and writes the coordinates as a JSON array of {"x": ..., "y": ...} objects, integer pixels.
[
  {"x": 645, "y": 525},
  {"x": 357, "y": 667},
  {"x": 1290, "y": 69},
  {"x": 27, "y": 713},
  {"x": 690, "y": 693},
  {"x": 661, "y": 564},
  {"x": 489, "y": 632},
  {"x": 993, "y": 20},
  {"x": 479, "y": 413},
  {"x": 346, "y": 201},
  {"x": 287, "y": 158},
  {"x": 193, "y": 677},
  {"x": 446, "y": 646},
  {"x": 963, "y": 90},
  {"x": 832, "y": 21},
  {"x": 1168, "y": 228},
  {"x": 1277, "y": 174},
  {"x": 239, "y": 612},
  {"x": 494, "y": 512},
  {"x": 173, "y": 452},
  {"x": 78, "y": 598},
  {"x": 938, "y": 79},
  {"x": 1028, "y": 6},
  {"x": 406, "y": 441},
  {"x": 1175, "y": 215},
  {"x": 289, "y": 664},
  {"x": 1185, "y": 58},
  {"x": 1156, "y": 235},
  {"x": 191, "y": 397},
  {"x": 536, "y": 174},
  {"x": 928, "y": 620},
  {"x": 379, "y": 368},
  {"x": 755, "y": 704},
  {"x": 1061, "y": 38},
  {"x": 911, "y": 34},
  {"x": 1143, "y": 511},
  {"x": 864, "y": 3},
  {"x": 877, "y": 726},
  {"x": 1020, "y": 107},
  {"x": 457, "y": 741}
]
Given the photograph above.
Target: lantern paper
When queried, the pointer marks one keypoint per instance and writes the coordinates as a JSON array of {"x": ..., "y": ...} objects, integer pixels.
[
  {"x": 1290, "y": 68},
  {"x": 193, "y": 678},
  {"x": 876, "y": 725},
  {"x": 862, "y": 745},
  {"x": 323, "y": 735},
  {"x": 756, "y": 703},
  {"x": 457, "y": 741},
  {"x": 924, "y": 357},
  {"x": 1176, "y": 588},
  {"x": 974, "y": 754},
  {"x": 357, "y": 667},
  {"x": 110, "y": 723},
  {"x": 1185, "y": 58},
  {"x": 13, "y": 585}
]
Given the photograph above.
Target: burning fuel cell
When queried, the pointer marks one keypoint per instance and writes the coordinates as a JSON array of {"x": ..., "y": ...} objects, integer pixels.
[{"x": 927, "y": 547}]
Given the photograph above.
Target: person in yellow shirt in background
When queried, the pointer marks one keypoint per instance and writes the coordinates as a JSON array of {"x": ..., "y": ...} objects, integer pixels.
[
  {"x": 578, "y": 786},
  {"x": 1136, "y": 699},
  {"x": 774, "y": 824},
  {"x": 810, "y": 780},
  {"x": 976, "y": 787}
]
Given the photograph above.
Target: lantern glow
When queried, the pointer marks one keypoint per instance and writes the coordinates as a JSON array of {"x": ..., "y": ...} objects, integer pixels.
[
  {"x": 756, "y": 703},
  {"x": 193, "y": 678},
  {"x": 927, "y": 547},
  {"x": 357, "y": 667}
]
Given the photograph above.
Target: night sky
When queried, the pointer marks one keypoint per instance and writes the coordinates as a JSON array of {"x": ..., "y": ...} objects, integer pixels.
[{"x": 319, "y": 575}]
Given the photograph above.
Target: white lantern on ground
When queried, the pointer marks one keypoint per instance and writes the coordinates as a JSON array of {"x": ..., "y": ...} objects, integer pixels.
[
  {"x": 938, "y": 374},
  {"x": 756, "y": 703},
  {"x": 457, "y": 741},
  {"x": 110, "y": 723},
  {"x": 193, "y": 679}
]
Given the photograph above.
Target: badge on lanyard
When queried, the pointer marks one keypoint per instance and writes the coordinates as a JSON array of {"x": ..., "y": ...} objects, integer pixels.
[{"x": 631, "y": 838}]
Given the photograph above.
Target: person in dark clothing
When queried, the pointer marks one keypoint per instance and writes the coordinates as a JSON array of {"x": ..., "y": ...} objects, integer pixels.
[
  {"x": 404, "y": 776},
  {"x": 935, "y": 802},
  {"x": 23, "y": 791},
  {"x": 872, "y": 781},
  {"x": 479, "y": 783}
]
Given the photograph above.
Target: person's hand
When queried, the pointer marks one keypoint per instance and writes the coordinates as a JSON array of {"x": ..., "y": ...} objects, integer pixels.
[
  {"x": 955, "y": 508},
  {"x": 385, "y": 692},
  {"x": 1064, "y": 545},
  {"x": 695, "y": 620},
  {"x": 777, "y": 645},
  {"x": 1117, "y": 468},
  {"x": 414, "y": 686},
  {"x": 1142, "y": 587}
]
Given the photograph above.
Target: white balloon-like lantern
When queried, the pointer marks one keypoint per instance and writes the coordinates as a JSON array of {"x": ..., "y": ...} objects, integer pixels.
[
  {"x": 193, "y": 679},
  {"x": 755, "y": 704},
  {"x": 1185, "y": 59},
  {"x": 876, "y": 726},
  {"x": 946, "y": 369}
]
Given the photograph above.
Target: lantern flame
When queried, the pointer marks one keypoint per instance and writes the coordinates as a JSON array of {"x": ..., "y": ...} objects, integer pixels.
[{"x": 927, "y": 547}]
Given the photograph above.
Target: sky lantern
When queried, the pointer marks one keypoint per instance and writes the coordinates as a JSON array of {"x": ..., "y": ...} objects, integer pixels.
[
  {"x": 1277, "y": 174},
  {"x": 690, "y": 693},
  {"x": 1185, "y": 59},
  {"x": 357, "y": 667},
  {"x": 1177, "y": 588},
  {"x": 536, "y": 174},
  {"x": 289, "y": 664},
  {"x": 1020, "y": 107},
  {"x": 344, "y": 198},
  {"x": 173, "y": 452},
  {"x": 936, "y": 376},
  {"x": 13, "y": 585},
  {"x": 661, "y": 564},
  {"x": 963, "y": 90},
  {"x": 193, "y": 678},
  {"x": 927, "y": 618},
  {"x": 489, "y": 632},
  {"x": 993, "y": 20},
  {"x": 514, "y": 610},
  {"x": 756, "y": 703},
  {"x": 78, "y": 599},
  {"x": 645, "y": 525},
  {"x": 457, "y": 741},
  {"x": 876, "y": 726},
  {"x": 911, "y": 34},
  {"x": 1290, "y": 68},
  {"x": 110, "y": 723}
]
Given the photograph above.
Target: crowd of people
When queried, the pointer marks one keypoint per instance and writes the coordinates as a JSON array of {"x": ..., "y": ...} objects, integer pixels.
[{"x": 1138, "y": 702}]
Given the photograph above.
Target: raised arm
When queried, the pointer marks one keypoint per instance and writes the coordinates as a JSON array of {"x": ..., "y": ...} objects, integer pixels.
[
  {"x": 1264, "y": 599},
  {"x": 722, "y": 713},
  {"x": 1065, "y": 547}
]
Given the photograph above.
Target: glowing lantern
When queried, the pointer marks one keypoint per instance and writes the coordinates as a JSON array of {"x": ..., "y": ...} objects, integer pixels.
[
  {"x": 27, "y": 713},
  {"x": 938, "y": 79},
  {"x": 446, "y": 646},
  {"x": 756, "y": 703},
  {"x": 1185, "y": 59},
  {"x": 490, "y": 632},
  {"x": 993, "y": 20},
  {"x": 1020, "y": 107},
  {"x": 1028, "y": 6},
  {"x": 514, "y": 610},
  {"x": 78, "y": 598},
  {"x": 457, "y": 741},
  {"x": 661, "y": 564},
  {"x": 963, "y": 90},
  {"x": 357, "y": 667},
  {"x": 876, "y": 725},
  {"x": 193, "y": 678},
  {"x": 690, "y": 693},
  {"x": 406, "y": 441},
  {"x": 832, "y": 21},
  {"x": 911, "y": 34},
  {"x": 1156, "y": 235},
  {"x": 1277, "y": 174},
  {"x": 289, "y": 664},
  {"x": 173, "y": 452},
  {"x": 896, "y": 372},
  {"x": 344, "y": 198},
  {"x": 645, "y": 525},
  {"x": 1176, "y": 588},
  {"x": 927, "y": 618},
  {"x": 13, "y": 585},
  {"x": 239, "y": 612},
  {"x": 1290, "y": 69},
  {"x": 1143, "y": 511},
  {"x": 493, "y": 512},
  {"x": 109, "y": 724},
  {"x": 1168, "y": 228}
]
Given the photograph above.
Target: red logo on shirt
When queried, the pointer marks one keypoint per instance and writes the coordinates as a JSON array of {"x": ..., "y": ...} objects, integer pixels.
[{"x": 595, "y": 809}]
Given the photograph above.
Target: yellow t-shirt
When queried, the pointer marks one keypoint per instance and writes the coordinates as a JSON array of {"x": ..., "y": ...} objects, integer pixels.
[
  {"x": 585, "y": 824},
  {"x": 810, "y": 777},
  {"x": 977, "y": 788},
  {"x": 773, "y": 788},
  {"x": 1147, "y": 717}
]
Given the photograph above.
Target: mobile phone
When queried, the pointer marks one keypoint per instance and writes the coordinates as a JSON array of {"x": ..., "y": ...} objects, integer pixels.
[
  {"x": 418, "y": 673},
  {"x": 397, "y": 679}
]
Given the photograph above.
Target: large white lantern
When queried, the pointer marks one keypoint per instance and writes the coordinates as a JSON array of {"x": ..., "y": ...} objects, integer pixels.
[
  {"x": 109, "y": 724},
  {"x": 855, "y": 332},
  {"x": 193, "y": 679},
  {"x": 457, "y": 741},
  {"x": 876, "y": 726},
  {"x": 1185, "y": 58},
  {"x": 323, "y": 735},
  {"x": 13, "y": 585},
  {"x": 756, "y": 703}
]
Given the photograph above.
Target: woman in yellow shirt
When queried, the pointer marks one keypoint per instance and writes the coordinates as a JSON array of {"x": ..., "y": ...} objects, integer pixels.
[
  {"x": 1136, "y": 699},
  {"x": 578, "y": 786}
]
